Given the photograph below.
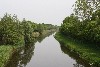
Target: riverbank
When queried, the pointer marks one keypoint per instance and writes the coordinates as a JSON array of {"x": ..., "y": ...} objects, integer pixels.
[
  {"x": 89, "y": 53},
  {"x": 6, "y": 51},
  {"x": 23, "y": 55}
]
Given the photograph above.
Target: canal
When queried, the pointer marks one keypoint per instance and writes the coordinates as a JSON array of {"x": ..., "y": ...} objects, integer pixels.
[{"x": 45, "y": 52}]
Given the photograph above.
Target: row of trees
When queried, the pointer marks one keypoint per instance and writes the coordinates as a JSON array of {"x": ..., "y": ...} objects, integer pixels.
[
  {"x": 85, "y": 23},
  {"x": 15, "y": 32}
]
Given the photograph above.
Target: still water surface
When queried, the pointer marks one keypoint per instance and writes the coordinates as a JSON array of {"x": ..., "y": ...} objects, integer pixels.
[{"x": 45, "y": 53}]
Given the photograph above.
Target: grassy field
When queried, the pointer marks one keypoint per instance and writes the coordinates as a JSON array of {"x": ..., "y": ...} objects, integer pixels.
[{"x": 88, "y": 52}]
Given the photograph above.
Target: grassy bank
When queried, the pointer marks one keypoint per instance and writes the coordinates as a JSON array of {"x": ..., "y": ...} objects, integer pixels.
[
  {"x": 89, "y": 53},
  {"x": 15, "y": 33},
  {"x": 5, "y": 53}
]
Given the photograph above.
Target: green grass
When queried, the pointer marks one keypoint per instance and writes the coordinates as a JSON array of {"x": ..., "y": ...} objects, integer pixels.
[
  {"x": 88, "y": 52},
  {"x": 5, "y": 52}
]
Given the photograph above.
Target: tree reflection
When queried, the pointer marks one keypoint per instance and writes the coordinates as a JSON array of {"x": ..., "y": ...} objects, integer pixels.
[
  {"x": 73, "y": 55},
  {"x": 22, "y": 56},
  {"x": 42, "y": 37}
]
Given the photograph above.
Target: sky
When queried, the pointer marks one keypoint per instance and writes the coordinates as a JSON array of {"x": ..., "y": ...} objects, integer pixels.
[{"x": 38, "y": 11}]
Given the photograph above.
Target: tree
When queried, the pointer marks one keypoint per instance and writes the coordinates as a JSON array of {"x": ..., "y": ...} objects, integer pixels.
[
  {"x": 85, "y": 8},
  {"x": 27, "y": 31},
  {"x": 9, "y": 33}
]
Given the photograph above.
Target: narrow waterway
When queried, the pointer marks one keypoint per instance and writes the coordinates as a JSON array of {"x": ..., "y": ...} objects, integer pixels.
[{"x": 45, "y": 53}]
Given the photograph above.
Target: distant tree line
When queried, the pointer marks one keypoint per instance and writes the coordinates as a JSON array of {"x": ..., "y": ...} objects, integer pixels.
[
  {"x": 15, "y": 32},
  {"x": 84, "y": 23}
]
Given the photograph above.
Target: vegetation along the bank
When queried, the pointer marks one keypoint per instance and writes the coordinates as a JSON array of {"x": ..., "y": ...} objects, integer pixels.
[
  {"x": 83, "y": 25},
  {"x": 15, "y": 33},
  {"x": 88, "y": 52}
]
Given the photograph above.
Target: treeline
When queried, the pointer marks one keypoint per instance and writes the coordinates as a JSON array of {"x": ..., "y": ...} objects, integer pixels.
[
  {"x": 84, "y": 23},
  {"x": 15, "y": 32}
]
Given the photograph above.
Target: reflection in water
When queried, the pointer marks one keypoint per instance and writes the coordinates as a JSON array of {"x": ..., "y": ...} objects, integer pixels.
[
  {"x": 80, "y": 62},
  {"x": 41, "y": 38},
  {"x": 23, "y": 56},
  {"x": 47, "y": 52}
]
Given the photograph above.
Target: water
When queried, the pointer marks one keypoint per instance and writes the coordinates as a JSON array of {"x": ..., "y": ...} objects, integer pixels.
[{"x": 45, "y": 52}]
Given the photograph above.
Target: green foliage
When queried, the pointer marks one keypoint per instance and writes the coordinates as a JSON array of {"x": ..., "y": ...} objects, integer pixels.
[
  {"x": 27, "y": 31},
  {"x": 88, "y": 29},
  {"x": 15, "y": 32},
  {"x": 5, "y": 52},
  {"x": 84, "y": 26},
  {"x": 85, "y": 8},
  {"x": 69, "y": 25},
  {"x": 42, "y": 27},
  {"x": 9, "y": 30},
  {"x": 84, "y": 30}
]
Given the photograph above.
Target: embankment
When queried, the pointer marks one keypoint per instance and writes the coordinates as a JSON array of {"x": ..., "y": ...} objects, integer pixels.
[
  {"x": 89, "y": 53},
  {"x": 6, "y": 51}
]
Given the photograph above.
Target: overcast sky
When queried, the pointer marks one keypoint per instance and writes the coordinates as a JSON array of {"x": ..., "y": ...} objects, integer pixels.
[{"x": 38, "y": 11}]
